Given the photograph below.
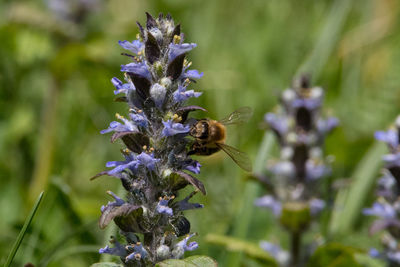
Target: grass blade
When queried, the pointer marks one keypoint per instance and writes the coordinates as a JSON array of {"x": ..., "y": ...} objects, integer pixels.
[
  {"x": 235, "y": 244},
  {"x": 251, "y": 191},
  {"x": 350, "y": 201},
  {"x": 23, "y": 231},
  {"x": 327, "y": 40}
]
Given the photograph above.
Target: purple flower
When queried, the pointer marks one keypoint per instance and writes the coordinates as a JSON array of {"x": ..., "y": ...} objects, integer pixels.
[
  {"x": 118, "y": 201},
  {"x": 135, "y": 46},
  {"x": 374, "y": 253},
  {"x": 139, "y": 252},
  {"x": 383, "y": 210},
  {"x": 129, "y": 163},
  {"x": 162, "y": 206},
  {"x": 394, "y": 256},
  {"x": 325, "y": 126},
  {"x": 315, "y": 171},
  {"x": 139, "y": 119},
  {"x": 73, "y": 10},
  {"x": 181, "y": 94},
  {"x": 185, "y": 205},
  {"x": 176, "y": 50},
  {"x": 147, "y": 160},
  {"x": 392, "y": 160},
  {"x": 276, "y": 252},
  {"x": 269, "y": 202},
  {"x": 117, "y": 250},
  {"x": 115, "y": 126},
  {"x": 157, "y": 159},
  {"x": 132, "y": 163},
  {"x": 122, "y": 87},
  {"x": 192, "y": 74},
  {"x": 137, "y": 68},
  {"x": 386, "y": 184},
  {"x": 390, "y": 137},
  {"x": 316, "y": 206},
  {"x": 270, "y": 248},
  {"x": 284, "y": 168},
  {"x": 183, "y": 244},
  {"x": 172, "y": 128},
  {"x": 308, "y": 103},
  {"x": 278, "y": 123},
  {"x": 193, "y": 166}
]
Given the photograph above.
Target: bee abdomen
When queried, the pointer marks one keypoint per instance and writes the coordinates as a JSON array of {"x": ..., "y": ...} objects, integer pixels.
[{"x": 217, "y": 132}]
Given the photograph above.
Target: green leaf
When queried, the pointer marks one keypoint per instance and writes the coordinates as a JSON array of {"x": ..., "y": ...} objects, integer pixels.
[
  {"x": 295, "y": 216},
  {"x": 349, "y": 202},
  {"x": 193, "y": 261},
  {"x": 106, "y": 264},
  {"x": 237, "y": 245},
  {"x": 334, "y": 255},
  {"x": 367, "y": 261},
  {"x": 23, "y": 231}
]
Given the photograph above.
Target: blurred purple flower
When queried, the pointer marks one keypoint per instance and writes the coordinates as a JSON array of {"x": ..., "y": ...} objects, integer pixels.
[
  {"x": 269, "y": 202},
  {"x": 382, "y": 210}
]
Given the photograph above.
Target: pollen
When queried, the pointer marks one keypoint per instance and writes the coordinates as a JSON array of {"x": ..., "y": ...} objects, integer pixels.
[
  {"x": 118, "y": 116},
  {"x": 177, "y": 39},
  {"x": 187, "y": 63},
  {"x": 144, "y": 147},
  {"x": 187, "y": 82}
]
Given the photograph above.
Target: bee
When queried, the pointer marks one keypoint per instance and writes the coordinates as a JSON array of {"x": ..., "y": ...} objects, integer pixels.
[{"x": 210, "y": 137}]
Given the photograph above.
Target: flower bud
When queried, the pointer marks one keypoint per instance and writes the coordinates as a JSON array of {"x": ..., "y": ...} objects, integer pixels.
[
  {"x": 163, "y": 252},
  {"x": 157, "y": 34},
  {"x": 178, "y": 252},
  {"x": 157, "y": 93},
  {"x": 166, "y": 82}
]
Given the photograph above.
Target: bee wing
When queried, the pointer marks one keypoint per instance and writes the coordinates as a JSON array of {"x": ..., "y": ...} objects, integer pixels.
[
  {"x": 240, "y": 115},
  {"x": 239, "y": 157}
]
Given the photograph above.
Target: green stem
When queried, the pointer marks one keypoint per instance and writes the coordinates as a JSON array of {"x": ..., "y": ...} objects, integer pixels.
[
  {"x": 40, "y": 178},
  {"x": 295, "y": 248}
]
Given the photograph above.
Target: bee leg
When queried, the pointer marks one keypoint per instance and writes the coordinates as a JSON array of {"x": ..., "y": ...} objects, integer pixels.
[
  {"x": 194, "y": 148},
  {"x": 202, "y": 150},
  {"x": 209, "y": 151}
]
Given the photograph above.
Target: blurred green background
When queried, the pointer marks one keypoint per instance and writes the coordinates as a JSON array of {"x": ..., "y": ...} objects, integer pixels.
[{"x": 56, "y": 95}]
